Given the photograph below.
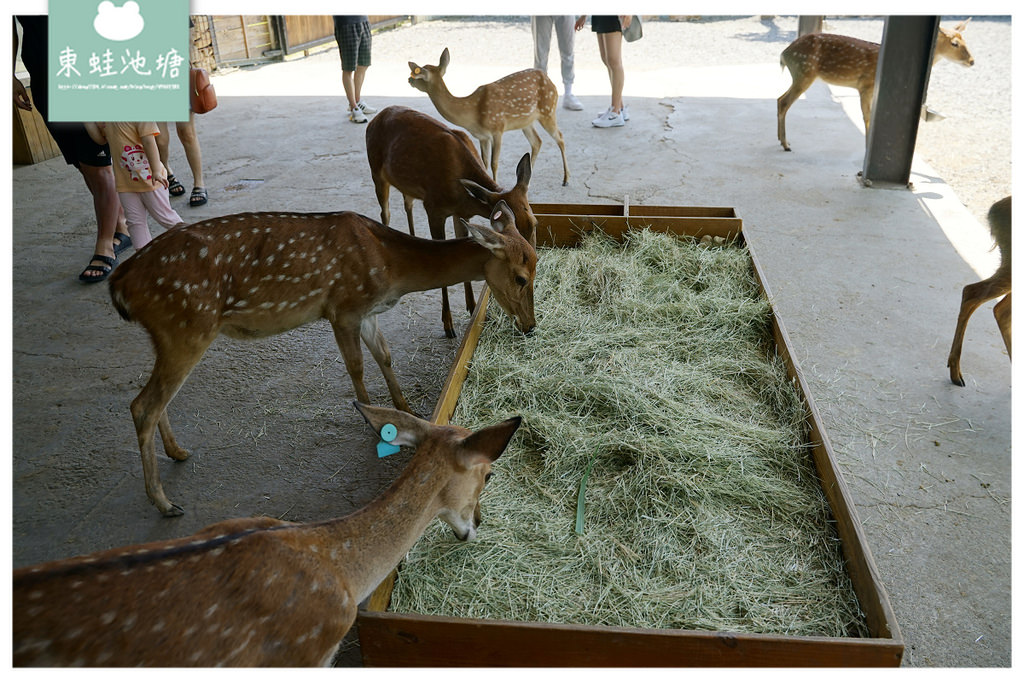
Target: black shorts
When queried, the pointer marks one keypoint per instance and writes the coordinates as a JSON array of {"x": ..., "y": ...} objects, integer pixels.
[
  {"x": 76, "y": 145},
  {"x": 605, "y": 24},
  {"x": 354, "y": 43}
]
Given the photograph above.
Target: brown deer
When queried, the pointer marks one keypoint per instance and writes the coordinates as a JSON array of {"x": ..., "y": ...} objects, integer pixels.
[
  {"x": 425, "y": 159},
  {"x": 974, "y": 295},
  {"x": 254, "y": 275},
  {"x": 850, "y": 62},
  {"x": 253, "y": 592},
  {"x": 512, "y": 102}
]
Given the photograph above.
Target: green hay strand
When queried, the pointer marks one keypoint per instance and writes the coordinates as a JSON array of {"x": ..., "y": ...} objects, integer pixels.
[{"x": 651, "y": 387}]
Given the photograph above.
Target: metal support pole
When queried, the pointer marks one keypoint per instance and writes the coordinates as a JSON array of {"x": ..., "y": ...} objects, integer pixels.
[
  {"x": 808, "y": 24},
  {"x": 904, "y": 65}
]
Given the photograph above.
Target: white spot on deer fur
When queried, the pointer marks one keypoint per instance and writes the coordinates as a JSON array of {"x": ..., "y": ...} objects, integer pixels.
[{"x": 107, "y": 618}]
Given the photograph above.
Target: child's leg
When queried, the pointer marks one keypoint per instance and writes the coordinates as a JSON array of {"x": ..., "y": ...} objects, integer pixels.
[
  {"x": 135, "y": 217},
  {"x": 158, "y": 204}
]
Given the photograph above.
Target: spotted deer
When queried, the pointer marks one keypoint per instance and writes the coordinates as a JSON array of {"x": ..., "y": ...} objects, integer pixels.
[
  {"x": 259, "y": 591},
  {"x": 425, "y": 159},
  {"x": 254, "y": 275},
  {"x": 509, "y": 103},
  {"x": 850, "y": 62},
  {"x": 999, "y": 284}
]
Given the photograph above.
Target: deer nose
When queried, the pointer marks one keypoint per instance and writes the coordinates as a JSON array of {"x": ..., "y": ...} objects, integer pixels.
[{"x": 529, "y": 331}]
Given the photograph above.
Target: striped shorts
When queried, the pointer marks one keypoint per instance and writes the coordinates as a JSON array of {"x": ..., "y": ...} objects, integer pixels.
[{"x": 353, "y": 44}]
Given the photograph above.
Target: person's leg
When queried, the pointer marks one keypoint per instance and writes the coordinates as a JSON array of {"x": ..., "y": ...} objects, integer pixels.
[
  {"x": 540, "y": 26},
  {"x": 194, "y": 155},
  {"x": 611, "y": 55},
  {"x": 109, "y": 216},
  {"x": 136, "y": 217},
  {"x": 163, "y": 144},
  {"x": 357, "y": 83},
  {"x": 158, "y": 205},
  {"x": 566, "y": 36}
]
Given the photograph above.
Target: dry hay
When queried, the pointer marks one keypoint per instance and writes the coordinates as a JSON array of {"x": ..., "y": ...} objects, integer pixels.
[{"x": 651, "y": 365}]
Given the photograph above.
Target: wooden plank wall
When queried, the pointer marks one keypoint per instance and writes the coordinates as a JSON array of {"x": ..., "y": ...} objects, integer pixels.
[{"x": 32, "y": 141}]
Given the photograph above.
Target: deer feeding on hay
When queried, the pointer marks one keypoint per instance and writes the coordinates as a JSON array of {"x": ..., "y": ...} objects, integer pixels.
[{"x": 254, "y": 275}]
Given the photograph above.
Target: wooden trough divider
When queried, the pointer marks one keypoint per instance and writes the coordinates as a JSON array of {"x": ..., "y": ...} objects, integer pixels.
[{"x": 390, "y": 639}]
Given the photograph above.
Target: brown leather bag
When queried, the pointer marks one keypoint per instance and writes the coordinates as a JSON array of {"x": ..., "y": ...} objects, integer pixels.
[{"x": 202, "y": 97}]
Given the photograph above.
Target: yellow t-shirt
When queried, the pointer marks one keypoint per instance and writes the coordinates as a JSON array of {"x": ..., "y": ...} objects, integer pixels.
[{"x": 132, "y": 170}]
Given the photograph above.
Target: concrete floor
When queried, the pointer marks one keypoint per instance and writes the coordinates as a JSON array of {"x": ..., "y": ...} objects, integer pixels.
[{"x": 867, "y": 282}]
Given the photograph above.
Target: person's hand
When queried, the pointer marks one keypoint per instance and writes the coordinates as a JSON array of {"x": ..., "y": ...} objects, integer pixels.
[
  {"x": 21, "y": 100},
  {"x": 581, "y": 22},
  {"x": 160, "y": 174},
  {"x": 626, "y": 21}
]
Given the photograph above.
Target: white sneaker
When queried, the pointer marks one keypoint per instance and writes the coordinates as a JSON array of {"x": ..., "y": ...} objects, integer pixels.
[
  {"x": 356, "y": 115},
  {"x": 625, "y": 112},
  {"x": 570, "y": 101},
  {"x": 609, "y": 119},
  {"x": 367, "y": 109}
]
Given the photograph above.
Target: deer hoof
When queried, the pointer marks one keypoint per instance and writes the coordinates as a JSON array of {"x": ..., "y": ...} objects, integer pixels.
[
  {"x": 449, "y": 333},
  {"x": 173, "y": 511},
  {"x": 177, "y": 453}
]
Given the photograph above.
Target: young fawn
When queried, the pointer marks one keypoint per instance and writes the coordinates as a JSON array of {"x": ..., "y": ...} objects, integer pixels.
[
  {"x": 974, "y": 295},
  {"x": 850, "y": 62},
  {"x": 252, "y": 592},
  {"x": 425, "y": 159},
  {"x": 254, "y": 275},
  {"x": 509, "y": 103}
]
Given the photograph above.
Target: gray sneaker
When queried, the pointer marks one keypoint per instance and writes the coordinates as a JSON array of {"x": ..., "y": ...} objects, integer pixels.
[
  {"x": 356, "y": 115},
  {"x": 367, "y": 109}
]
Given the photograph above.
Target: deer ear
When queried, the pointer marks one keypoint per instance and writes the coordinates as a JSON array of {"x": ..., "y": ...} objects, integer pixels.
[
  {"x": 486, "y": 238},
  {"x": 487, "y": 444},
  {"x": 523, "y": 171},
  {"x": 502, "y": 217},
  {"x": 411, "y": 429},
  {"x": 962, "y": 25},
  {"x": 414, "y": 68},
  {"x": 443, "y": 63},
  {"x": 479, "y": 192}
]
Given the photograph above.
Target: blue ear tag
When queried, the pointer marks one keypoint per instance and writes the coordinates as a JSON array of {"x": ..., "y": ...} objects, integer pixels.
[{"x": 387, "y": 433}]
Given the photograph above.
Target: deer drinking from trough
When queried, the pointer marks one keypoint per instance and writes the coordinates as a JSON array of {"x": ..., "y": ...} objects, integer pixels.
[
  {"x": 850, "y": 62},
  {"x": 509, "y": 103},
  {"x": 425, "y": 159},
  {"x": 259, "y": 591},
  {"x": 974, "y": 295},
  {"x": 254, "y": 275}
]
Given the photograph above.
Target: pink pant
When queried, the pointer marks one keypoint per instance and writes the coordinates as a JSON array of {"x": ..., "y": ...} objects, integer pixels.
[{"x": 137, "y": 205}]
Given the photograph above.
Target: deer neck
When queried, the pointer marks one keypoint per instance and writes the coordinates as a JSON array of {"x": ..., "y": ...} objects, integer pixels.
[
  {"x": 366, "y": 545},
  {"x": 429, "y": 264},
  {"x": 459, "y": 110}
]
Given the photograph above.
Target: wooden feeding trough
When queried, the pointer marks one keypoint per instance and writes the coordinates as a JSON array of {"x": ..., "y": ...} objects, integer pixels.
[{"x": 394, "y": 639}]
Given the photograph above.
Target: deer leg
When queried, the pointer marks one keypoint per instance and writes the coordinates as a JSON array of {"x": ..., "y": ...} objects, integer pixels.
[
  {"x": 1003, "y": 315},
  {"x": 535, "y": 143},
  {"x": 174, "y": 362},
  {"x": 974, "y": 295},
  {"x": 551, "y": 126},
  {"x": 485, "y": 152},
  {"x": 786, "y": 101},
  {"x": 347, "y": 337},
  {"x": 495, "y": 155},
  {"x": 436, "y": 222},
  {"x": 383, "y": 190},
  {"x": 408, "y": 199},
  {"x": 866, "y": 95},
  {"x": 378, "y": 346},
  {"x": 460, "y": 231}
]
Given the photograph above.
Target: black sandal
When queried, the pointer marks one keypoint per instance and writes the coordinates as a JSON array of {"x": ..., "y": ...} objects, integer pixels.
[
  {"x": 104, "y": 269},
  {"x": 174, "y": 186},
  {"x": 198, "y": 197},
  {"x": 124, "y": 242}
]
